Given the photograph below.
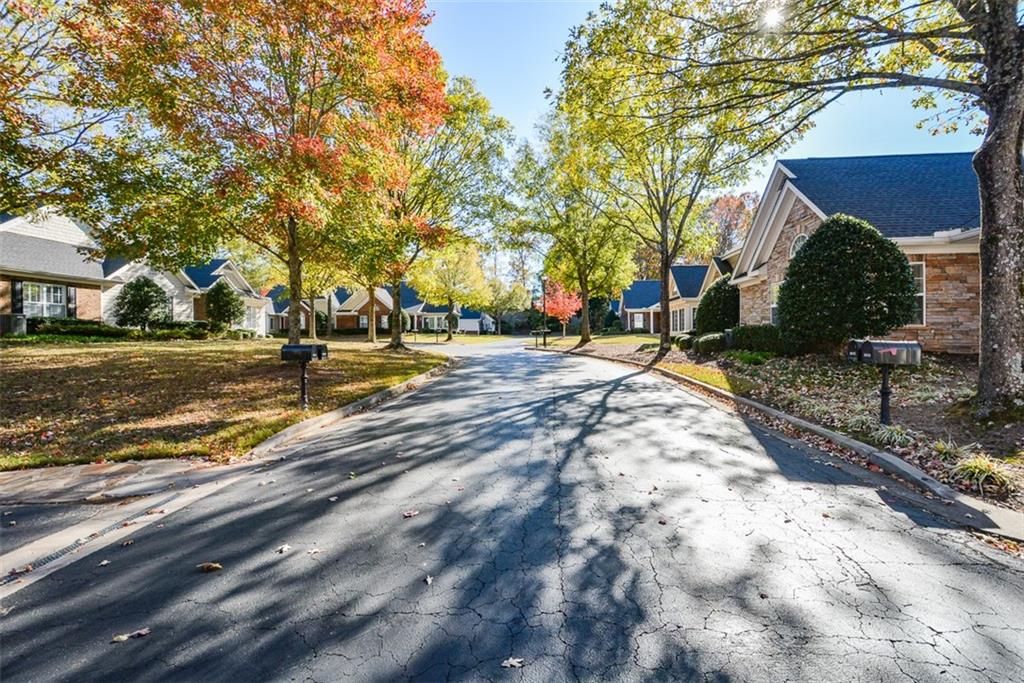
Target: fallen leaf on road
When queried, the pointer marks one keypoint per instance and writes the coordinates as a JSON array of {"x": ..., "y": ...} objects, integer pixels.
[
  {"x": 662, "y": 522},
  {"x": 410, "y": 513},
  {"x": 351, "y": 475},
  {"x": 283, "y": 549},
  {"x": 104, "y": 563},
  {"x": 209, "y": 567},
  {"x": 461, "y": 488},
  {"x": 763, "y": 596},
  {"x": 309, "y": 490},
  {"x": 333, "y": 499},
  {"x": 826, "y": 515},
  {"x": 156, "y": 511},
  {"x": 423, "y": 545},
  {"x": 127, "y": 543},
  {"x": 313, "y": 551},
  {"x": 12, "y": 523},
  {"x": 621, "y": 474},
  {"x": 429, "y": 579},
  {"x": 120, "y": 638},
  {"x": 513, "y": 663}
]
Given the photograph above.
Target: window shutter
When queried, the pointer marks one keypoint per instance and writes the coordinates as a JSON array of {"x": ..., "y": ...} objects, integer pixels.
[
  {"x": 17, "y": 302},
  {"x": 72, "y": 302}
]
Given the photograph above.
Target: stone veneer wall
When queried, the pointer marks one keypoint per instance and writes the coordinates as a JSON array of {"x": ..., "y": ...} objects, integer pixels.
[{"x": 952, "y": 291}]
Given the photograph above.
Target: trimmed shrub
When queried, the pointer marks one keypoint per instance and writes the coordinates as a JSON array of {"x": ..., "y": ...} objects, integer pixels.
[
  {"x": 224, "y": 305},
  {"x": 197, "y": 333},
  {"x": 81, "y": 328},
  {"x": 684, "y": 342},
  {"x": 719, "y": 308},
  {"x": 140, "y": 303},
  {"x": 710, "y": 343},
  {"x": 239, "y": 334},
  {"x": 757, "y": 338},
  {"x": 847, "y": 281}
]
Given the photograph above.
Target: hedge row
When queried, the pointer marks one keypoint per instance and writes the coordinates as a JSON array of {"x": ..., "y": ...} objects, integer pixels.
[
  {"x": 758, "y": 338},
  {"x": 164, "y": 331}
]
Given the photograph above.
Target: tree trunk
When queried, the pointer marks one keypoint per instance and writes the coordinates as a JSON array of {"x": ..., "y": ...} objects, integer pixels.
[
  {"x": 451, "y": 316},
  {"x": 584, "y": 315},
  {"x": 396, "y": 315},
  {"x": 563, "y": 330},
  {"x": 998, "y": 165},
  {"x": 294, "y": 283},
  {"x": 330, "y": 314},
  {"x": 666, "y": 330},
  {"x": 371, "y": 318},
  {"x": 497, "y": 319},
  {"x": 312, "y": 316}
]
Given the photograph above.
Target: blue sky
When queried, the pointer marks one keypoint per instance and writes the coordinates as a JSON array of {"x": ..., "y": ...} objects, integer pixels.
[{"x": 511, "y": 49}]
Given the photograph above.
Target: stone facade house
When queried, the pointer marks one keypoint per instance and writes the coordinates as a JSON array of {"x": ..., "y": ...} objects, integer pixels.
[{"x": 926, "y": 203}]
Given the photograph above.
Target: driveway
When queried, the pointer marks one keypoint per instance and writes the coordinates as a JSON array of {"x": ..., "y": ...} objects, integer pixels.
[{"x": 596, "y": 522}]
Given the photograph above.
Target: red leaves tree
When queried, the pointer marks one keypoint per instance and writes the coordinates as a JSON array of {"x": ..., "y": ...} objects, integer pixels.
[
  {"x": 562, "y": 304},
  {"x": 284, "y": 108}
]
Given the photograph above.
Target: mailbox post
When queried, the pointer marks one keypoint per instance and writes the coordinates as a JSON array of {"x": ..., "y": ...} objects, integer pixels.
[
  {"x": 886, "y": 355},
  {"x": 303, "y": 354}
]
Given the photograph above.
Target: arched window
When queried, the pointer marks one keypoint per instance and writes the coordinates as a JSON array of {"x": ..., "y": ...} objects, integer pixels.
[{"x": 798, "y": 242}]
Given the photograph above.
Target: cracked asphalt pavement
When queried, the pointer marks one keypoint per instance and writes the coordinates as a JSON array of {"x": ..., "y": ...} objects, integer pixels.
[{"x": 597, "y": 522}]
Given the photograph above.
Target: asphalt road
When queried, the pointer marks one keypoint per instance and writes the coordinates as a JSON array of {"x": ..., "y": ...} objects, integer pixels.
[{"x": 596, "y": 522}]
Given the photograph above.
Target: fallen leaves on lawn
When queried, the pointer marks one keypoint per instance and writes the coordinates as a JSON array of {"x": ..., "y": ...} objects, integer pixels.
[
  {"x": 122, "y": 637},
  {"x": 209, "y": 567},
  {"x": 283, "y": 549},
  {"x": 410, "y": 513},
  {"x": 513, "y": 663}
]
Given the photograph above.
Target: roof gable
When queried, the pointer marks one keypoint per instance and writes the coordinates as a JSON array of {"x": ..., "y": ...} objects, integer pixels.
[
  {"x": 642, "y": 294},
  {"x": 914, "y": 195},
  {"x": 688, "y": 279},
  {"x": 206, "y": 275}
]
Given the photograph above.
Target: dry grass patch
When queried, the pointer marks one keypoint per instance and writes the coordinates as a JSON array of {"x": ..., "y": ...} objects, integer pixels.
[{"x": 215, "y": 400}]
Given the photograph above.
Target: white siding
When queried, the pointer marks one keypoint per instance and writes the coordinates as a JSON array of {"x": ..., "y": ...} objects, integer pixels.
[
  {"x": 49, "y": 226},
  {"x": 181, "y": 297}
]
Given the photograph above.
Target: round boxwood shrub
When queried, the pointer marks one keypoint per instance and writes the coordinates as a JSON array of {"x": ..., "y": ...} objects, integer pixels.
[
  {"x": 847, "y": 281},
  {"x": 710, "y": 343},
  {"x": 224, "y": 305},
  {"x": 719, "y": 308},
  {"x": 140, "y": 303},
  {"x": 684, "y": 342},
  {"x": 757, "y": 338}
]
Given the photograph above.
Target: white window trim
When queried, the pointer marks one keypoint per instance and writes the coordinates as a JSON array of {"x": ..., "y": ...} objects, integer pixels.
[
  {"x": 923, "y": 293},
  {"x": 638, "y": 320},
  {"x": 364, "y": 321},
  {"x": 793, "y": 248},
  {"x": 43, "y": 303}
]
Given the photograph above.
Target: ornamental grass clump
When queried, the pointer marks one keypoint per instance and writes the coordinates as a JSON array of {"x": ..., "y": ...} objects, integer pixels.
[
  {"x": 984, "y": 474},
  {"x": 893, "y": 435},
  {"x": 949, "y": 451}
]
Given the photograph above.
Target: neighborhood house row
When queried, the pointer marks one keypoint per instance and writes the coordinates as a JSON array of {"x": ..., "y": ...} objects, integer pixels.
[
  {"x": 927, "y": 204},
  {"x": 47, "y": 271}
]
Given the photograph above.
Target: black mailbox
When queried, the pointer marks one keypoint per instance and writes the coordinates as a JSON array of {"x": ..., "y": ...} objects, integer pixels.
[
  {"x": 854, "y": 350},
  {"x": 304, "y": 353},
  {"x": 883, "y": 352}
]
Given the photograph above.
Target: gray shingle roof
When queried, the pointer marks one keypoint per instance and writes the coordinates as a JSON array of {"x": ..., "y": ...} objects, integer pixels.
[
  {"x": 689, "y": 279},
  {"x": 36, "y": 255},
  {"x": 912, "y": 195},
  {"x": 642, "y": 294}
]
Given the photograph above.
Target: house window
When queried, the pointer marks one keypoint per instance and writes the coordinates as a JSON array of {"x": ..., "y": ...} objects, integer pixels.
[
  {"x": 364, "y": 321},
  {"x": 384, "y": 322},
  {"x": 638, "y": 320},
  {"x": 252, "y": 317},
  {"x": 775, "y": 303},
  {"x": 798, "y": 242},
  {"x": 44, "y": 301},
  {"x": 917, "y": 268}
]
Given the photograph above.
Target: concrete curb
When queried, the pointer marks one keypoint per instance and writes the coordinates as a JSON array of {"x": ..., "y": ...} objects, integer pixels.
[
  {"x": 304, "y": 429},
  {"x": 964, "y": 510}
]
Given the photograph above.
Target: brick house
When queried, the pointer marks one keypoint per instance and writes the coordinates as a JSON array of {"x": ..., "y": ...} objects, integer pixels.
[
  {"x": 51, "y": 267},
  {"x": 640, "y": 306},
  {"x": 926, "y": 203}
]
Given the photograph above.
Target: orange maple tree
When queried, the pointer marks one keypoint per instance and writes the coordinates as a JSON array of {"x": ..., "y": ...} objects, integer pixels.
[
  {"x": 284, "y": 107},
  {"x": 562, "y": 304}
]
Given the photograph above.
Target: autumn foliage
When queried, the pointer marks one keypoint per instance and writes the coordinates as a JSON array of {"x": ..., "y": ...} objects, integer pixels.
[{"x": 562, "y": 304}]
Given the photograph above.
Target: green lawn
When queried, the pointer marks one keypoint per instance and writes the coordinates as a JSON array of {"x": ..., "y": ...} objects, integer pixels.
[
  {"x": 631, "y": 339},
  {"x": 212, "y": 399}
]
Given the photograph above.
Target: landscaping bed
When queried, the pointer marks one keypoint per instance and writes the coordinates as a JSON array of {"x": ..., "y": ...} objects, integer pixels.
[
  {"x": 933, "y": 424},
  {"x": 215, "y": 400}
]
